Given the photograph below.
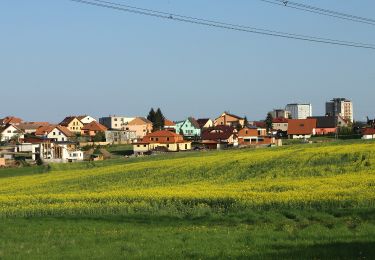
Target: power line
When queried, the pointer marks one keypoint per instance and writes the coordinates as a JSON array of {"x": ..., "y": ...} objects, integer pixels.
[
  {"x": 216, "y": 24},
  {"x": 321, "y": 11}
]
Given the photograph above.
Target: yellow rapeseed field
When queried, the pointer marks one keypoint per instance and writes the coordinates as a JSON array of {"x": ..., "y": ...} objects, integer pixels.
[{"x": 301, "y": 176}]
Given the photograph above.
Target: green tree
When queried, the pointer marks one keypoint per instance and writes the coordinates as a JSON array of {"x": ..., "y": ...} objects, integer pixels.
[
  {"x": 151, "y": 115},
  {"x": 158, "y": 123},
  {"x": 269, "y": 121},
  {"x": 99, "y": 137},
  {"x": 245, "y": 122}
]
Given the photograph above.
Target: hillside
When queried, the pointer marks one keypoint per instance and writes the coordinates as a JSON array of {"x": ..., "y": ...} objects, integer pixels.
[{"x": 310, "y": 194}]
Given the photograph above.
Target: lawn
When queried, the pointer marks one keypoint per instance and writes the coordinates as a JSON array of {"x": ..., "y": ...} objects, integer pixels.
[{"x": 299, "y": 201}]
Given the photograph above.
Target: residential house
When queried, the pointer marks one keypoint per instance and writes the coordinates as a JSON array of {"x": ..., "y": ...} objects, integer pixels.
[
  {"x": 229, "y": 120},
  {"x": 162, "y": 140},
  {"x": 115, "y": 122},
  {"x": 56, "y": 133},
  {"x": 221, "y": 136},
  {"x": 169, "y": 125},
  {"x": 85, "y": 119},
  {"x": 188, "y": 128},
  {"x": 10, "y": 120},
  {"x": 140, "y": 125},
  {"x": 205, "y": 123},
  {"x": 301, "y": 128},
  {"x": 328, "y": 124},
  {"x": 50, "y": 151},
  {"x": 10, "y": 132},
  {"x": 73, "y": 124},
  {"x": 368, "y": 133},
  {"x": 92, "y": 129},
  {"x": 254, "y": 136},
  {"x": 120, "y": 136},
  {"x": 31, "y": 127},
  {"x": 280, "y": 124}
]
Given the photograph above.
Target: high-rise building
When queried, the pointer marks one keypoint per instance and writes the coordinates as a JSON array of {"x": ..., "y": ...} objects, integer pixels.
[
  {"x": 280, "y": 113},
  {"x": 299, "y": 111},
  {"x": 340, "y": 107}
]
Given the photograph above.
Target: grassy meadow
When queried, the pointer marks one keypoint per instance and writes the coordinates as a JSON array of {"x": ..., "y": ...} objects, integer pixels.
[{"x": 299, "y": 201}]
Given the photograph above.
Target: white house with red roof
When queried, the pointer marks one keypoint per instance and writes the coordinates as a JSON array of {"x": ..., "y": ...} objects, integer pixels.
[{"x": 54, "y": 132}]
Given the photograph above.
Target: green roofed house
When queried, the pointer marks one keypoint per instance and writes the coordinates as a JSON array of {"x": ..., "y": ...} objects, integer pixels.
[{"x": 188, "y": 128}]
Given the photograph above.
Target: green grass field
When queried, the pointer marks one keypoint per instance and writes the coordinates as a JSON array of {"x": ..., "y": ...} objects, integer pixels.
[{"x": 301, "y": 201}]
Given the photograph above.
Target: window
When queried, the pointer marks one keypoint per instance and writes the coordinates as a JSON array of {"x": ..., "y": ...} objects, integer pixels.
[
  {"x": 157, "y": 139},
  {"x": 138, "y": 145},
  {"x": 54, "y": 133},
  {"x": 186, "y": 146},
  {"x": 115, "y": 119},
  {"x": 144, "y": 145},
  {"x": 167, "y": 138},
  {"x": 168, "y": 145},
  {"x": 9, "y": 132},
  {"x": 63, "y": 139},
  {"x": 152, "y": 139}
]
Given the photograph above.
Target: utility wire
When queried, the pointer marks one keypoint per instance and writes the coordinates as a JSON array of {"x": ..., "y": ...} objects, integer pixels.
[
  {"x": 216, "y": 24},
  {"x": 321, "y": 11},
  {"x": 222, "y": 23}
]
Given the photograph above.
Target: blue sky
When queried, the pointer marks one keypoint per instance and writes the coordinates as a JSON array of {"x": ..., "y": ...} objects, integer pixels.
[{"x": 60, "y": 58}]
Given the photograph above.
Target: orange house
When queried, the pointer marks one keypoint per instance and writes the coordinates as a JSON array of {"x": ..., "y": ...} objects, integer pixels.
[
  {"x": 93, "y": 128},
  {"x": 140, "y": 125},
  {"x": 254, "y": 136},
  {"x": 229, "y": 120}
]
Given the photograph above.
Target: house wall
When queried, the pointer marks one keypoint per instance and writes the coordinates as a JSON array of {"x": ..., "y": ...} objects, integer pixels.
[
  {"x": 57, "y": 135},
  {"x": 172, "y": 147},
  {"x": 187, "y": 129},
  {"x": 140, "y": 130},
  {"x": 368, "y": 137},
  {"x": 75, "y": 126},
  {"x": 87, "y": 120},
  {"x": 209, "y": 124},
  {"x": 299, "y": 136},
  {"x": 120, "y": 136},
  {"x": 280, "y": 126},
  {"x": 2, "y": 162},
  {"x": 115, "y": 122},
  {"x": 325, "y": 131},
  {"x": 228, "y": 120},
  {"x": 9, "y": 133}
]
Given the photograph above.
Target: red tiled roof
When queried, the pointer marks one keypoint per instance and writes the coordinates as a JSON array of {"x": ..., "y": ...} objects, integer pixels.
[
  {"x": 368, "y": 131},
  {"x": 32, "y": 125},
  {"x": 279, "y": 120},
  {"x": 260, "y": 124},
  {"x": 139, "y": 121},
  {"x": 163, "y": 133},
  {"x": 168, "y": 123},
  {"x": 94, "y": 126},
  {"x": 11, "y": 120},
  {"x": 45, "y": 130},
  {"x": 301, "y": 126},
  {"x": 221, "y": 132}
]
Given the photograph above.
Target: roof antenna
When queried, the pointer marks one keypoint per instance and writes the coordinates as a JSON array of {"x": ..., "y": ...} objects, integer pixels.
[{"x": 285, "y": 2}]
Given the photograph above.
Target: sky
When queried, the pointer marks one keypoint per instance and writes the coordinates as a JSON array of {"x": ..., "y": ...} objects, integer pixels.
[{"x": 60, "y": 58}]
